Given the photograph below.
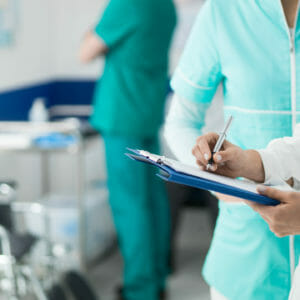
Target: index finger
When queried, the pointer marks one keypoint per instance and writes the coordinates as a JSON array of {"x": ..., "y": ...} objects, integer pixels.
[
  {"x": 272, "y": 193},
  {"x": 206, "y": 143}
]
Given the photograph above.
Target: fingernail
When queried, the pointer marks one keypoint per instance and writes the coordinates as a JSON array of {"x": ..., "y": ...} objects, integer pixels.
[
  {"x": 214, "y": 168},
  {"x": 261, "y": 188},
  {"x": 206, "y": 156},
  {"x": 218, "y": 157}
]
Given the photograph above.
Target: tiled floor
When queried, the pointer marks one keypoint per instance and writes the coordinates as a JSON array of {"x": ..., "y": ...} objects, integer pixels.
[{"x": 186, "y": 284}]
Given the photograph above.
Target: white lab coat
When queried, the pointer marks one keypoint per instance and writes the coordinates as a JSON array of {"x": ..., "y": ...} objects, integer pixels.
[
  {"x": 281, "y": 161},
  {"x": 295, "y": 291}
]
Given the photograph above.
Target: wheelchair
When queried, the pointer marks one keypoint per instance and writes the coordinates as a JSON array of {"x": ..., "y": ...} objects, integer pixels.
[{"x": 21, "y": 277}]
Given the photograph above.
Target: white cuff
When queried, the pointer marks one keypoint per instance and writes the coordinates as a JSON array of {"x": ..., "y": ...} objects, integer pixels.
[
  {"x": 296, "y": 185},
  {"x": 271, "y": 166}
]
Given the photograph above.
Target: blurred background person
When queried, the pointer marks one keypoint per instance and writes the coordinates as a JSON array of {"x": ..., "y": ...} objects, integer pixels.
[
  {"x": 278, "y": 164},
  {"x": 41, "y": 76},
  {"x": 134, "y": 36}
]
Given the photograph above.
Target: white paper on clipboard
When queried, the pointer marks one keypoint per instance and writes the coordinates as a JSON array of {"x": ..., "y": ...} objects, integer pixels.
[{"x": 191, "y": 170}]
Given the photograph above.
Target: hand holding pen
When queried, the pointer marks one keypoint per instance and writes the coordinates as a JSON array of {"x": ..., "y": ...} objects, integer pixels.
[
  {"x": 215, "y": 154},
  {"x": 219, "y": 143},
  {"x": 228, "y": 160}
]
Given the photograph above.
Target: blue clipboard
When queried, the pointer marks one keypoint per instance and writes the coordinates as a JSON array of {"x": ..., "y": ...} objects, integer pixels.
[{"x": 171, "y": 175}]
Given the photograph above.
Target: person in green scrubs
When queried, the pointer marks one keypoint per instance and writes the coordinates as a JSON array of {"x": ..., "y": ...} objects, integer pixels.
[{"x": 135, "y": 37}]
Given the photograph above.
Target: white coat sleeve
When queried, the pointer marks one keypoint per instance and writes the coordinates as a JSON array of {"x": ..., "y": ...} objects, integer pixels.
[{"x": 281, "y": 159}]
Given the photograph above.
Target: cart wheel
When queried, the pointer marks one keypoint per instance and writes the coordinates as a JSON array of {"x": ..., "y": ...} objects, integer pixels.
[
  {"x": 79, "y": 287},
  {"x": 56, "y": 293}
]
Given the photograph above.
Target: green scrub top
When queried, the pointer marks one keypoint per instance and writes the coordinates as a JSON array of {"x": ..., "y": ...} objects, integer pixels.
[
  {"x": 246, "y": 46},
  {"x": 129, "y": 97}
]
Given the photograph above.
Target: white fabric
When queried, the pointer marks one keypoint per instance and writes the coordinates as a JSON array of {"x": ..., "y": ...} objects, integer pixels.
[
  {"x": 215, "y": 295},
  {"x": 183, "y": 126},
  {"x": 281, "y": 159},
  {"x": 295, "y": 291},
  {"x": 296, "y": 184}
]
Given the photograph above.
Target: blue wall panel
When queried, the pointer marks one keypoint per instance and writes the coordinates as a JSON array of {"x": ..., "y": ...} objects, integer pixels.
[
  {"x": 14, "y": 105},
  {"x": 71, "y": 92}
]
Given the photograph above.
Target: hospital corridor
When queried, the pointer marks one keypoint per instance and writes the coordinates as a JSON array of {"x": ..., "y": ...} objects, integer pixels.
[{"x": 149, "y": 150}]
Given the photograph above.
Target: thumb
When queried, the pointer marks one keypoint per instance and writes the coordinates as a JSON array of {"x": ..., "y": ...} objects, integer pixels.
[
  {"x": 226, "y": 155},
  {"x": 272, "y": 193}
]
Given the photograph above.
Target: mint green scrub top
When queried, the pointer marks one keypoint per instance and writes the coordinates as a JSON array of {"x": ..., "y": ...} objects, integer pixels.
[
  {"x": 245, "y": 45},
  {"x": 130, "y": 96}
]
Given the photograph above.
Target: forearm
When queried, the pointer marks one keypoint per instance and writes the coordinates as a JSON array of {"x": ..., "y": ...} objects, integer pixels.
[
  {"x": 92, "y": 46},
  {"x": 253, "y": 168},
  {"x": 183, "y": 126}
]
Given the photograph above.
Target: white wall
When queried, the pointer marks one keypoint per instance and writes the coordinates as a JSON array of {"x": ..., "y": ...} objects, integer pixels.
[
  {"x": 69, "y": 22},
  {"x": 27, "y": 60},
  {"x": 47, "y": 42}
]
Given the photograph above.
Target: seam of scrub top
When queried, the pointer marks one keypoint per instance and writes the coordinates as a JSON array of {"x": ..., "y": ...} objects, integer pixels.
[
  {"x": 258, "y": 111},
  {"x": 186, "y": 79}
]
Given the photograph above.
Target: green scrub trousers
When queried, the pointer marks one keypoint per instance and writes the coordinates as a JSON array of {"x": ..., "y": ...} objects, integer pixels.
[
  {"x": 141, "y": 214},
  {"x": 128, "y": 111}
]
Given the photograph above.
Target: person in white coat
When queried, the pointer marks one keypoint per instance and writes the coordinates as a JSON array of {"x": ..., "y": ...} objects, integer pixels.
[{"x": 279, "y": 162}]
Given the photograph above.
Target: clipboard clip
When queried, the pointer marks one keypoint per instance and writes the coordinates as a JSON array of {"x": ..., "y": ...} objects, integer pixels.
[{"x": 162, "y": 160}]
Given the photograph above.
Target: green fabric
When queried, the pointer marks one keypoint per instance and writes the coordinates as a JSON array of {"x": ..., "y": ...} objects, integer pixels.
[
  {"x": 141, "y": 214},
  {"x": 246, "y": 46},
  {"x": 129, "y": 97}
]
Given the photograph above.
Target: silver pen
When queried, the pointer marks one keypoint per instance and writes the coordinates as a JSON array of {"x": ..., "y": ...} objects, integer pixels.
[{"x": 220, "y": 142}]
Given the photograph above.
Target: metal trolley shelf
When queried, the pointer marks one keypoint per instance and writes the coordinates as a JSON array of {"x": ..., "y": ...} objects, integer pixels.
[{"x": 19, "y": 137}]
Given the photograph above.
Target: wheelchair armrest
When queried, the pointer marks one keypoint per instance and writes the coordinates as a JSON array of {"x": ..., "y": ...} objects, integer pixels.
[
  {"x": 38, "y": 209},
  {"x": 29, "y": 207},
  {"x": 5, "y": 243},
  {"x": 12, "y": 183}
]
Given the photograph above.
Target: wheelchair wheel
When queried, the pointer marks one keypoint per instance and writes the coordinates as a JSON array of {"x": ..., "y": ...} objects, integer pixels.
[
  {"x": 56, "y": 293},
  {"x": 79, "y": 287}
]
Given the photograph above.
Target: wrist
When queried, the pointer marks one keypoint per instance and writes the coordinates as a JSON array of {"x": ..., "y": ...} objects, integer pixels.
[{"x": 253, "y": 168}]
